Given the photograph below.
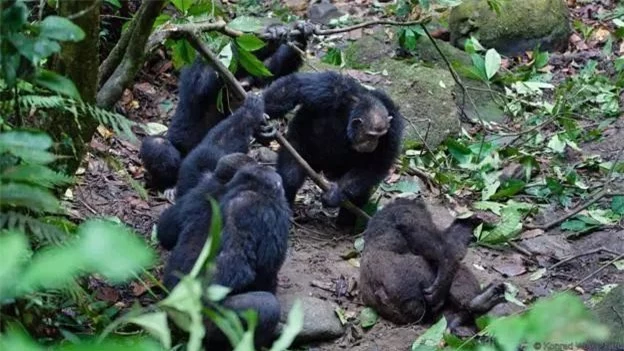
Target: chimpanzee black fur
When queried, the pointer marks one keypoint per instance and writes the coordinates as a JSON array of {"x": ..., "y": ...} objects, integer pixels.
[
  {"x": 410, "y": 271},
  {"x": 351, "y": 133},
  {"x": 172, "y": 220},
  {"x": 229, "y": 136},
  {"x": 197, "y": 110},
  {"x": 254, "y": 241}
]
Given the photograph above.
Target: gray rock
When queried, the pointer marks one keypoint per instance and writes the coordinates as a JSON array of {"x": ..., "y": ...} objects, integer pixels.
[
  {"x": 520, "y": 26},
  {"x": 323, "y": 12},
  {"x": 320, "y": 321},
  {"x": 609, "y": 311}
]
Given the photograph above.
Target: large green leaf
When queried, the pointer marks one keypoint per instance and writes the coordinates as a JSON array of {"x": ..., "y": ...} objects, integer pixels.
[
  {"x": 52, "y": 268},
  {"x": 113, "y": 250},
  {"x": 251, "y": 63},
  {"x": 156, "y": 324},
  {"x": 60, "y": 28},
  {"x": 34, "y": 49},
  {"x": 617, "y": 204},
  {"x": 35, "y": 175},
  {"x": 30, "y": 147},
  {"x": 492, "y": 63},
  {"x": 509, "y": 226},
  {"x": 249, "y": 42},
  {"x": 57, "y": 83},
  {"x": 14, "y": 17},
  {"x": 294, "y": 325},
  {"x": 368, "y": 317},
  {"x": 430, "y": 340},
  {"x": 27, "y": 196},
  {"x": 14, "y": 252}
]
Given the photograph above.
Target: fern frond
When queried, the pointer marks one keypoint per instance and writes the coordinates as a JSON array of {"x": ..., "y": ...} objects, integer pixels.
[
  {"x": 30, "y": 197},
  {"x": 41, "y": 231},
  {"x": 119, "y": 123},
  {"x": 35, "y": 175}
]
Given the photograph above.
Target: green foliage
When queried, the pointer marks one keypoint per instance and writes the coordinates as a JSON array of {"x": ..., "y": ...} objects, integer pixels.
[
  {"x": 26, "y": 45},
  {"x": 408, "y": 37},
  {"x": 368, "y": 317},
  {"x": 334, "y": 56}
]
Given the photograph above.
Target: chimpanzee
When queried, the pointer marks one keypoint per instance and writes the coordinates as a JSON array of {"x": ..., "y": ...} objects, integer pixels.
[
  {"x": 197, "y": 109},
  {"x": 349, "y": 132},
  {"x": 253, "y": 245},
  {"x": 228, "y": 136},
  {"x": 410, "y": 270},
  {"x": 171, "y": 221}
]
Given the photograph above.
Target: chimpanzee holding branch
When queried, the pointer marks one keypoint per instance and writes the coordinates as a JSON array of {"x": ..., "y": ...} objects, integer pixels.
[
  {"x": 198, "y": 111},
  {"x": 349, "y": 132}
]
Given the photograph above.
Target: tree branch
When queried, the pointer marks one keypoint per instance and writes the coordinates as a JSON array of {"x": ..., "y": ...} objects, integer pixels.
[
  {"x": 205, "y": 51},
  {"x": 132, "y": 59}
]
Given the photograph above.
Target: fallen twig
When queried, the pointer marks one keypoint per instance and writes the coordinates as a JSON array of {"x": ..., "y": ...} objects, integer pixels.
[
  {"x": 205, "y": 51},
  {"x": 605, "y": 191},
  {"x": 587, "y": 253}
]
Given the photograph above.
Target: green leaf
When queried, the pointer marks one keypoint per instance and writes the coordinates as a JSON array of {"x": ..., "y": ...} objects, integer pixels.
[
  {"x": 14, "y": 17},
  {"x": 52, "y": 268},
  {"x": 334, "y": 57},
  {"x": 251, "y": 64},
  {"x": 14, "y": 252},
  {"x": 425, "y": 4},
  {"x": 368, "y": 317},
  {"x": 557, "y": 144},
  {"x": 30, "y": 197},
  {"x": 183, "y": 53},
  {"x": 155, "y": 324},
  {"x": 113, "y": 250},
  {"x": 153, "y": 128},
  {"x": 57, "y": 83},
  {"x": 403, "y": 186},
  {"x": 61, "y": 29},
  {"x": 509, "y": 188},
  {"x": 182, "y": 5},
  {"x": 479, "y": 64},
  {"x": 217, "y": 292},
  {"x": 246, "y": 24},
  {"x": 541, "y": 59},
  {"x": 459, "y": 151},
  {"x": 430, "y": 340},
  {"x": 495, "y": 207},
  {"x": 34, "y": 49},
  {"x": 492, "y": 63},
  {"x": 249, "y": 42},
  {"x": 35, "y": 175},
  {"x": 294, "y": 325},
  {"x": 509, "y": 226},
  {"x": 617, "y": 205},
  {"x": 114, "y": 3},
  {"x": 225, "y": 56}
]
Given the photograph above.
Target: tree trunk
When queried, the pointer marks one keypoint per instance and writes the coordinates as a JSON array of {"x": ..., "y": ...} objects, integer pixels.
[{"x": 79, "y": 62}]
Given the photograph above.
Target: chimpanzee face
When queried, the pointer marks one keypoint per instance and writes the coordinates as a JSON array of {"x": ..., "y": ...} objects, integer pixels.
[{"x": 369, "y": 121}]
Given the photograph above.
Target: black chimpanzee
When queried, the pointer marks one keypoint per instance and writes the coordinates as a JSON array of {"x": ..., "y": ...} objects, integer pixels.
[
  {"x": 410, "y": 270},
  {"x": 349, "y": 132},
  {"x": 197, "y": 110},
  {"x": 253, "y": 247},
  {"x": 231, "y": 135},
  {"x": 172, "y": 220}
]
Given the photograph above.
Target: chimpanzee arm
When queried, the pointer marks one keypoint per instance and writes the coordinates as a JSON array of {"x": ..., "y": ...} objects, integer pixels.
[{"x": 325, "y": 90}]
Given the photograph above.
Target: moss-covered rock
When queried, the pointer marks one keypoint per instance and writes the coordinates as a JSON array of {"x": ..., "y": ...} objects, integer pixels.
[
  {"x": 610, "y": 310},
  {"x": 520, "y": 26}
]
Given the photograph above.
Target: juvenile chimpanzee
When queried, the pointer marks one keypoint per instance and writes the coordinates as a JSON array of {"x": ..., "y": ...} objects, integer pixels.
[
  {"x": 197, "y": 110},
  {"x": 410, "y": 270},
  {"x": 351, "y": 133},
  {"x": 253, "y": 246},
  {"x": 228, "y": 136},
  {"x": 172, "y": 220}
]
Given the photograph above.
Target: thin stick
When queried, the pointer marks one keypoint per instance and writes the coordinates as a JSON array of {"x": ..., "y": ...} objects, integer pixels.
[
  {"x": 617, "y": 258},
  {"x": 205, "y": 51},
  {"x": 370, "y": 24},
  {"x": 587, "y": 253},
  {"x": 605, "y": 191}
]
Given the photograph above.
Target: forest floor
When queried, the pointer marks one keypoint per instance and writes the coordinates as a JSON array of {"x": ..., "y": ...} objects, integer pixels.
[{"x": 111, "y": 185}]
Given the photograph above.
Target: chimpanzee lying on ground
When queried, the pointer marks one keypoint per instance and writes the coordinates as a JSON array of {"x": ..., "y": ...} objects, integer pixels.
[
  {"x": 255, "y": 217},
  {"x": 197, "y": 110},
  {"x": 410, "y": 271},
  {"x": 351, "y": 133}
]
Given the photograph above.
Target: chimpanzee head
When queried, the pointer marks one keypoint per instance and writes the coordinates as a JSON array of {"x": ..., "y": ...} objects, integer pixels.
[{"x": 368, "y": 121}]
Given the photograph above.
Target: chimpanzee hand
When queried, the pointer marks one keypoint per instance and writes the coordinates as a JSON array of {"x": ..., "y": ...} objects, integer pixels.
[
  {"x": 276, "y": 32},
  {"x": 306, "y": 29},
  {"x": 267, "y": 132},
  {"x": 332, "y": 197}
]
